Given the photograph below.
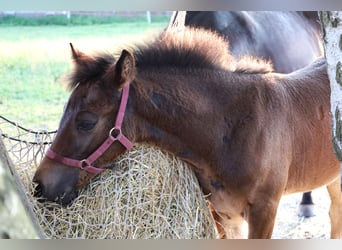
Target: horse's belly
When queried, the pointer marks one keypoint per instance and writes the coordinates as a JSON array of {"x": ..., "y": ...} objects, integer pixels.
[{"x": 313, "y": 177}]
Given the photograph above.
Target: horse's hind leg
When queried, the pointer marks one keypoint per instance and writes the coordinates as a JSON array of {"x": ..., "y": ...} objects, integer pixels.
[
  {"x": 306, "y": 207},
  {"x": 335, "y": 211}
]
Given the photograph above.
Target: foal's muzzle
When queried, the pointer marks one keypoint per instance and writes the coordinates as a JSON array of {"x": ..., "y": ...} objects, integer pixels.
[
  {"x": 56, "y": 183},
  {"x": 63, "y": 199}
]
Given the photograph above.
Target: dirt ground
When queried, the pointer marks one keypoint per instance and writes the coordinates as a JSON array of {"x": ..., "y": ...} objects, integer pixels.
[{"x": 290, "y": 226}]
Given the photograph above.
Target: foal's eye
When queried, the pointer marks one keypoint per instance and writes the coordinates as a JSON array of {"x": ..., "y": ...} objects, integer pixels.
[
  {"x": 86, "y": 125},
  {"x": 86, "y": 121}
]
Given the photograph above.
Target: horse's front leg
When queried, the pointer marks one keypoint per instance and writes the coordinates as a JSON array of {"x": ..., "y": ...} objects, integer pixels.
[
  {"x": 229, "y": 227},
  {"x": 227, "y": 214},
  {"x": 261, "y": 216}
]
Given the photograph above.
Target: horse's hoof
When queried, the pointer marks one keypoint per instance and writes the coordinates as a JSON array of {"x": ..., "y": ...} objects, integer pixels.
[{"x": 306, "y": 210}]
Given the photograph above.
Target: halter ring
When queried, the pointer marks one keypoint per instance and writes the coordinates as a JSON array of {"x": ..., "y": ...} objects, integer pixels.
[
  {"x": 115, "y": 129},
  {"x": 84, "y": 164}
]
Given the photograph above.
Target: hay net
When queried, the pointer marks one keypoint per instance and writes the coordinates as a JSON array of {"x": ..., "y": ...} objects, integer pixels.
[{"x": 149, "y": 194}]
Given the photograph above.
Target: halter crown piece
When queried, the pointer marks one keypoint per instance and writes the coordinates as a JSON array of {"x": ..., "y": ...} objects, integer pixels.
[{"x": 85, "y": 164}]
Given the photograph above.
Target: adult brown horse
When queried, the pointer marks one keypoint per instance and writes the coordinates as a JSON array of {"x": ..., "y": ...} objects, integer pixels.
[
  {"x": 265, "y": 34},
  {"x": 250, "y": 135}
]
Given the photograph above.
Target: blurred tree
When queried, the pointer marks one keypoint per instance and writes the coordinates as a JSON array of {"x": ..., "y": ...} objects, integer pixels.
[
  {"x": 331, "y": 22},
  {"x": 15, "y": 219}
]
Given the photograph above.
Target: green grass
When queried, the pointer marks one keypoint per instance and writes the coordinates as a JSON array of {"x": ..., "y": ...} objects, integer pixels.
[{"x": 33, "y": 60}]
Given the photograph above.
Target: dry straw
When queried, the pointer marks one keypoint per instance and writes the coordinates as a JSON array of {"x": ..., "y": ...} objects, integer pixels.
[{"x": 148, "y": 194}]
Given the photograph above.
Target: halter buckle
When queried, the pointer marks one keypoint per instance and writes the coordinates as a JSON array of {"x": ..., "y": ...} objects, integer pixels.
[
  {"x": 115, "y": 132},
  {"x": 83, "y": 164}
]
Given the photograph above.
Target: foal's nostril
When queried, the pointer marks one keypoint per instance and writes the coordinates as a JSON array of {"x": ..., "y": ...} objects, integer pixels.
[
  {"x": 66, "y": 198},
  {"x": 38, "y": 191}
]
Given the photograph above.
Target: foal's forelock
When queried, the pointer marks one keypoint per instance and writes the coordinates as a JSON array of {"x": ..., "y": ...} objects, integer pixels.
[{"x": 89, "y": 69}]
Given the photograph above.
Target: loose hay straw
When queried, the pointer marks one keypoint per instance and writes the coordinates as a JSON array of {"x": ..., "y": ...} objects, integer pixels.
[{"x": 149, "y": 194}]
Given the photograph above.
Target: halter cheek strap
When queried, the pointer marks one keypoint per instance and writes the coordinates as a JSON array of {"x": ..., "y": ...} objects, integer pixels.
[{"x": 115, "y": 134}]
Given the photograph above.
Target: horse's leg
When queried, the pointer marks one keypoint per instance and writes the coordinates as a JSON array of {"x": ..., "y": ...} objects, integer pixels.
[
  {"x": 306, "y": 207},
  {"x": 335, "y": 211},
  {"x": 261, "y": 215},
  {"x": 228, "y": 227}
]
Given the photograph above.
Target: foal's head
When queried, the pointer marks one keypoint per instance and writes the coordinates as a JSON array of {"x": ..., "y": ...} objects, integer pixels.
[{"x": 98, "y": 84}]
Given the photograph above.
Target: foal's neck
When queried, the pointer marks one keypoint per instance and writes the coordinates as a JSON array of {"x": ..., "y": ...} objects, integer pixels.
[{"x": 171, "y": 112}]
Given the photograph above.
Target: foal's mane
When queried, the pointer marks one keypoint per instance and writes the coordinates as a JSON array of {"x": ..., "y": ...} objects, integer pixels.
[
  {"x": 189, "y": 47},
  {"x": 184, "y": 48}
]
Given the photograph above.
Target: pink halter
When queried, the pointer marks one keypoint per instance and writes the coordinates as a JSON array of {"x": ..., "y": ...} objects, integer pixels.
[{"x": 85, "y": 164}]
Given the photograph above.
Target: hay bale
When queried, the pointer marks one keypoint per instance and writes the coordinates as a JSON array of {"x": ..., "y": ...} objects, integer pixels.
[{"x": 148, "y": 195}]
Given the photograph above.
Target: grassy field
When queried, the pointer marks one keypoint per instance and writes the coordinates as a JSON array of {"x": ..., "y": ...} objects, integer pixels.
[
  {"x": 14, "y": 20},
  {"x": 33, "y": 60}
]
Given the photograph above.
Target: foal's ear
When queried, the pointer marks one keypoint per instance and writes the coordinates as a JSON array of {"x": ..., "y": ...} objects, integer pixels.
[
  {"x": 75, "y": 53},
  {"x": 124, "y": 69},
  {"x": 79, "y": 57}
]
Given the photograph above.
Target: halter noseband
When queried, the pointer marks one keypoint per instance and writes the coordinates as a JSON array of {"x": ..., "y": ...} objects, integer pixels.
[{"x": 85, "y": 164}]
